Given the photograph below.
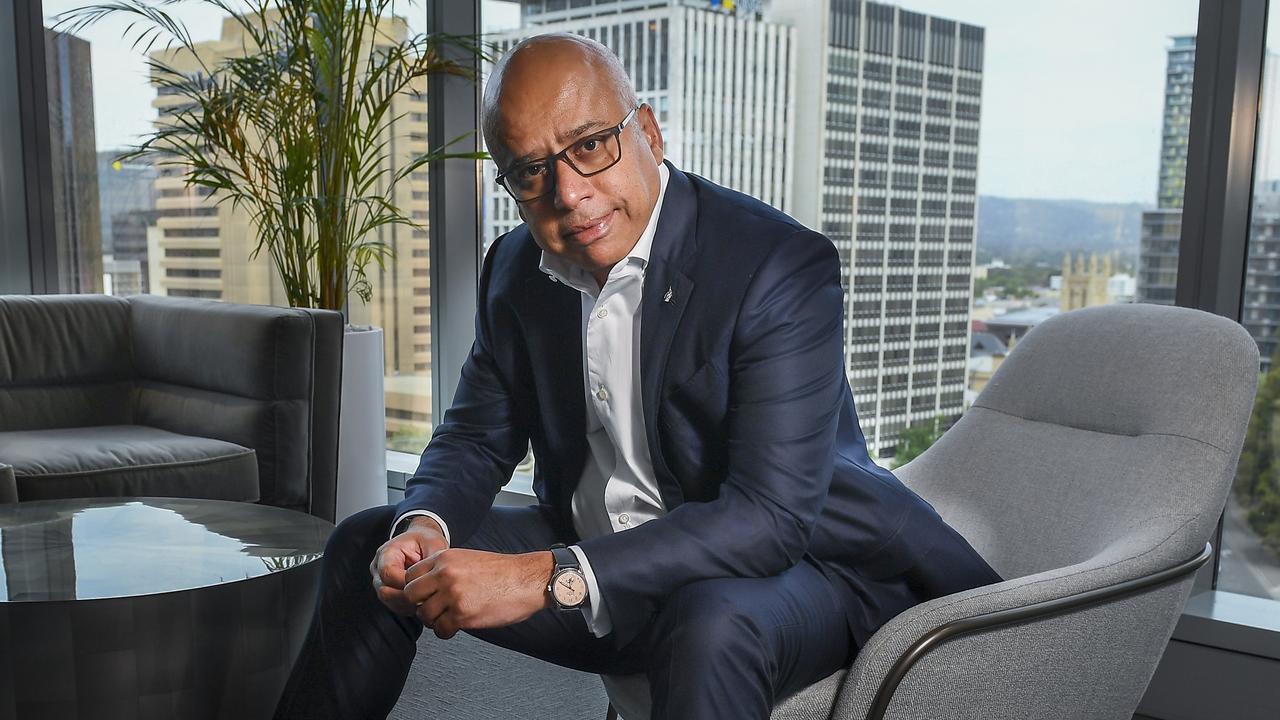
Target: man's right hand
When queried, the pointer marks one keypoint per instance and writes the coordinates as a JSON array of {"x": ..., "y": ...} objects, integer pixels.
[{"x": 423, "y": 538}]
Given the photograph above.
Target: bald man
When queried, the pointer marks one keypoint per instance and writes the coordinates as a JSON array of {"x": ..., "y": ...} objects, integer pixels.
[{"x": 710, "y": 532}]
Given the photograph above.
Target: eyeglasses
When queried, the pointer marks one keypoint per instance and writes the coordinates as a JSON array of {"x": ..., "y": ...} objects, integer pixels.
[{"x": 587, "y": 156}]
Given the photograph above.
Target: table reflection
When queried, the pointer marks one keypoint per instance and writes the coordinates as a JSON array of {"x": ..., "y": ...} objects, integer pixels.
[{"x": 117, "y": 547}]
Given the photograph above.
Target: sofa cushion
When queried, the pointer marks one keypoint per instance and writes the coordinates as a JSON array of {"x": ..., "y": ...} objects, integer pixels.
[{"x": 127, "y": 460}]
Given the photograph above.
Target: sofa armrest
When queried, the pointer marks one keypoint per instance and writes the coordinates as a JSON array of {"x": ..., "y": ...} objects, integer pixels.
[
  {"x": 8, "y": 485},
  {"x": 286, "y": 362}
]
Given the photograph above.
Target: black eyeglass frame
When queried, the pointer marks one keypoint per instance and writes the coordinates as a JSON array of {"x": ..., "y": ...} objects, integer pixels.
[{"x": 553, "y": 159}]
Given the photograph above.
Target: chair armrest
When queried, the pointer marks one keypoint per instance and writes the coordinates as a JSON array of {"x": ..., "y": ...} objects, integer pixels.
[
  {"x": 1020, "y": 627},
  {"x": 8, "y": 485}
]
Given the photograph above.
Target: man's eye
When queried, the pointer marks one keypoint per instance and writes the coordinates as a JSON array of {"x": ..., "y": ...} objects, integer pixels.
[
  {"x": 530, "y": 171},
  {"x": 589, "y": 146}
]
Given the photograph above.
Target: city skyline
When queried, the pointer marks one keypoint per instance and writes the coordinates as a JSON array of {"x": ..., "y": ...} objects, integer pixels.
[{"x": 1056, "y": 125}]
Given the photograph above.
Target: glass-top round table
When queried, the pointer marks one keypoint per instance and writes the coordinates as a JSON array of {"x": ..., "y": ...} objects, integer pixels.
[{"x": 152, "y": 607}]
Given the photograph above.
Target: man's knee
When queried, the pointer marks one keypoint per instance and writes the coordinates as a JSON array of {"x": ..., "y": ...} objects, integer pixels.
[
  {"x": 359, "y": 536},
  {"x": 707, "y": 619}
]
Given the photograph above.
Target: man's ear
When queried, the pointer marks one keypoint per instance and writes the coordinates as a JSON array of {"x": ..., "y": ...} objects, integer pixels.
[{"x": 652, "y": 133}]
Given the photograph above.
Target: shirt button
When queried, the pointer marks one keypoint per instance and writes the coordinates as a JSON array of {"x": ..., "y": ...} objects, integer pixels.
[
  {"x": 602, "y": 313},
  {"x": 624, "y": 518},
  {"x": 602, "y": 394}
]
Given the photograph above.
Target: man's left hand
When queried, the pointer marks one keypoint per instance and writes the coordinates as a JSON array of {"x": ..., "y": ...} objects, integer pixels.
[{"x": 459, "y": 589}]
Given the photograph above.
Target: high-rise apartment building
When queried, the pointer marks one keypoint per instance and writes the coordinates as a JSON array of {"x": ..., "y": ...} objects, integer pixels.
[
  {"x": 887, "y": 157},
  {"x": 1176, "y": 126},
  {"x": 73, "y": 160},
  {"x": 198, "y": 248},
  {"x": 721, "y": 83},
  {"x": 1162, "y": 227}
]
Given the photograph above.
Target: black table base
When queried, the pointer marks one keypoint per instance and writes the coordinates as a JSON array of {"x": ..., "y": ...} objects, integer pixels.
[{"x": 222, "y": 651}]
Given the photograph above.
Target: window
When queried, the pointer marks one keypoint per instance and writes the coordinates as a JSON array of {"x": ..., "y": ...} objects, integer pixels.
[
  {"x": 128, "y": 226},
  {"x": 1250, "y": 562}
]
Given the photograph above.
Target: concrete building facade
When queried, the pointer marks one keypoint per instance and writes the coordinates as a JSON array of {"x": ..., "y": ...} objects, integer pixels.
[
  {"x": 887, "y": 159},
  {"x": 1085, "y": 285}
]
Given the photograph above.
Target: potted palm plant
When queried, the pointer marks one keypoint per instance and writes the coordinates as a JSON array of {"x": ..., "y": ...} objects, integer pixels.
[{"x": 297, "y": 129}]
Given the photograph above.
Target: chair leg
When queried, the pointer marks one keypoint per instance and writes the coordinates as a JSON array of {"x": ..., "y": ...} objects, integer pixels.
[{"x": 611, "y": 714}]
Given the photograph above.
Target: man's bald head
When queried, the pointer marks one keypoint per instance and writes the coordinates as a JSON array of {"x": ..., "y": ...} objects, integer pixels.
[
  {"x": 554, "y": 99},
  {"x": 539, "y": 67}
]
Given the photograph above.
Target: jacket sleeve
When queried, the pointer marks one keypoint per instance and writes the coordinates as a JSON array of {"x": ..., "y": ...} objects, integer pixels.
[
  {"x": 786, "y": 383},
  {"x": 481, "y": 439}
]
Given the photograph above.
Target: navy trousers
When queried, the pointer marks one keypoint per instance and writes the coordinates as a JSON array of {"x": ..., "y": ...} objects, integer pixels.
[{"x": 721, "y": 648}]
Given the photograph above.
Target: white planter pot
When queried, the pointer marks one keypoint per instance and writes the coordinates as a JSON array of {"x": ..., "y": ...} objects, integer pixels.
[{"x": 362, "y": 437}]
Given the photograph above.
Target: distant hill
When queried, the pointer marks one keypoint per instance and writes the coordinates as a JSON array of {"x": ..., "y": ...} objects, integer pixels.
[{"x": 1024, "y": 231}]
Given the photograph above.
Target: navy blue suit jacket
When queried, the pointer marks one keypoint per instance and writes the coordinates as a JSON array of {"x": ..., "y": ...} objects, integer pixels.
[{"x": 748, "y": 412}]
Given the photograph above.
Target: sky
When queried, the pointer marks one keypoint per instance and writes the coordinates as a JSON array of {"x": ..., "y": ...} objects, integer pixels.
[{"x": 1071, "y": 108}]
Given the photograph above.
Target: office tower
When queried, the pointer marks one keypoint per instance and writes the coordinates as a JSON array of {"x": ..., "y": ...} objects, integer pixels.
[
  {"x": 887, "y": 137},
  {"x": 198, "y": 248},
  {"x": 1162, "y": 227},
  {"x": 127, "y": 200},
  {"x": 721, "y": 82},
  {"x": 76, "y": 223}
]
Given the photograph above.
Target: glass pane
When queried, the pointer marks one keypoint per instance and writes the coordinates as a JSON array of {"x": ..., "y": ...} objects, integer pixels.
[
  {"x": 980, "y": 166},
  {"x": 1251, "y": 527},
  {"x": 128, "y": 227},
  {"x": 1081, "y": 124}
]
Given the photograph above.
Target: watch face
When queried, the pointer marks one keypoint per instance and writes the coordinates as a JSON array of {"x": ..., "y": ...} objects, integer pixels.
[{"x": 569, "y": 588}]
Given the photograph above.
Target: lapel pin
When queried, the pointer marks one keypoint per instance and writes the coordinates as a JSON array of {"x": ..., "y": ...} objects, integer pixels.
[{"x": 666, "y": 297}]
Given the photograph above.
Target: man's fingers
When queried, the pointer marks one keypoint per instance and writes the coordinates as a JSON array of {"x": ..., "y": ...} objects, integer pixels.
[
  {"x": 420, "y": 568},
  {"x": 396, "y": 601},
  {"x": 443, "y": 623},
  {"x": 431, "y": 609},
  {"x": 388, "y": 566}
]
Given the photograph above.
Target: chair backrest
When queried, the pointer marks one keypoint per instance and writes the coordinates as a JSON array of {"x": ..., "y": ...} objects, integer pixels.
[{"x": 1108, "y": 427}]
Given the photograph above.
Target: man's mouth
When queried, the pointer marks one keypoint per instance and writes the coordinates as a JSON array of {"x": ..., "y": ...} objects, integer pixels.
[{"x": 593, "y": 229}]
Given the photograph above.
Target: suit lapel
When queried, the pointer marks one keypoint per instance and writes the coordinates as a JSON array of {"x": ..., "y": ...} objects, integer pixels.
[
  {"x": 666, "y": 295},
  {"x": 556, "y": 310}
]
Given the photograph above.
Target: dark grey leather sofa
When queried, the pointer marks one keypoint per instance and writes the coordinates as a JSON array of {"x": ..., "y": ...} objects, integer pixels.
[{"x": 158, "y": 396}]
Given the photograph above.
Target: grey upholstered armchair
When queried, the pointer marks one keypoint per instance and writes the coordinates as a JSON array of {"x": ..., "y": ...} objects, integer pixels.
[
  {"x": 106, "y": 396},
  {"x": 1091, "y": 473}
]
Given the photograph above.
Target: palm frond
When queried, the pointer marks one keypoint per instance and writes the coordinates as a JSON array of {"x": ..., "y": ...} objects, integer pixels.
[{"x": 295, "y": 130}]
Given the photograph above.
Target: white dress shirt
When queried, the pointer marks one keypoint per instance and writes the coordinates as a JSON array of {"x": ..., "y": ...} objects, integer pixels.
[{"x": 617, "y": 490}]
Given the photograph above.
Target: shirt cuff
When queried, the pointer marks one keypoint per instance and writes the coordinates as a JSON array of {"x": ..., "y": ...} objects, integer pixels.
[
  {"x": 414, "y": 513},
  {"x": 594, "y": 612}
]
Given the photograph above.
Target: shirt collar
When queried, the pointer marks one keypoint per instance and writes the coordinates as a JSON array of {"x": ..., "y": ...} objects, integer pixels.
[{"x": 576, "y": 277}]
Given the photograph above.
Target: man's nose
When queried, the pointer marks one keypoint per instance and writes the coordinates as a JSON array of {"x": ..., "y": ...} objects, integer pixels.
[{"x": 571, "y": 188}]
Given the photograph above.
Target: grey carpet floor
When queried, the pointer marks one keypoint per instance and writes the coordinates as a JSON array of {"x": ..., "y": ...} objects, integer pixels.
[{"x": 466, "y": 679}]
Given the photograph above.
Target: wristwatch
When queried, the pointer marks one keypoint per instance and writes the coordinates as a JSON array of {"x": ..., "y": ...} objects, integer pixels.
[{"x": 568, "y": 586}]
